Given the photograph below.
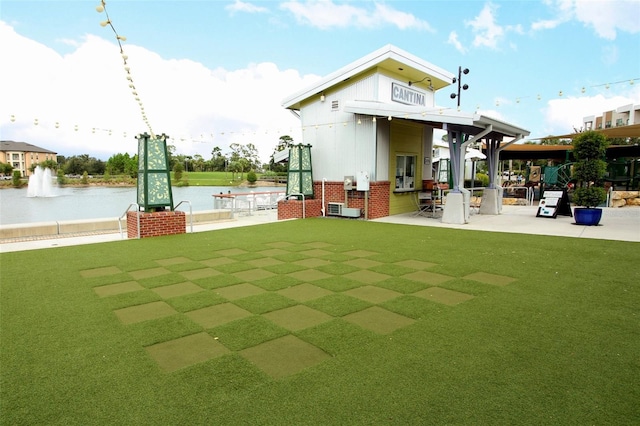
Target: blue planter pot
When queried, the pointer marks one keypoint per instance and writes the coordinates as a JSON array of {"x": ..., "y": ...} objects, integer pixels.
[{"x": 587, "y": 216}]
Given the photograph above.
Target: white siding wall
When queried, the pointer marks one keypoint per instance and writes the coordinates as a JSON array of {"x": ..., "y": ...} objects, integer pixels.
[{"x": 340, "y": 146}]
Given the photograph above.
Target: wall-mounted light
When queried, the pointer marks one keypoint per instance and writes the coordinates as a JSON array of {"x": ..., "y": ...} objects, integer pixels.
[
  {"x": 322, "y": 98},
  {"x": 411, "y": 83}
]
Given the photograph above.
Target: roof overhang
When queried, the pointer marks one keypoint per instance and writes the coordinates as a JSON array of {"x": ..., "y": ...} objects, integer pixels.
[
  {"x": 469, "y": 123},
  {"x": 389, "y": 58}
]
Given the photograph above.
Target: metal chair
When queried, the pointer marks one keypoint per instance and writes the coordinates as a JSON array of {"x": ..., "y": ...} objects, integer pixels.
[{"x": 424, "y": 203}]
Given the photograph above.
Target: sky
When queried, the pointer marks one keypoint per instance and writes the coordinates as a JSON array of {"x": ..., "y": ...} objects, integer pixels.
[{"x": 212, "y": 73}]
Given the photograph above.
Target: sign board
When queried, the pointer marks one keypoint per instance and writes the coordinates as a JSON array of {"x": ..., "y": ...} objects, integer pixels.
[
  {"x": 407, "y": 96},
  {"x": 554, "y": 203}
]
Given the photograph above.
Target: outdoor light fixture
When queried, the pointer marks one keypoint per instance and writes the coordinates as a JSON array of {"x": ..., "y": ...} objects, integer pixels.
[
  {"x": 411, "y": 83},
  {"x": 460, "y": 85}
]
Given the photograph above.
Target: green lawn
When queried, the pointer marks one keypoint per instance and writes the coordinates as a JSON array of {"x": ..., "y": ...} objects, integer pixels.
[{"x": 323, "y": 321}]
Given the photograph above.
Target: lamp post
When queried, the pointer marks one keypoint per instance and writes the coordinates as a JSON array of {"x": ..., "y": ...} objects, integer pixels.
[{"x": 460, "y": 85}]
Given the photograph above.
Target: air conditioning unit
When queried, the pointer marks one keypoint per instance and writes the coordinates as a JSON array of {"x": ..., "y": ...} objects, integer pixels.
[{"x": 335, "y": 209}]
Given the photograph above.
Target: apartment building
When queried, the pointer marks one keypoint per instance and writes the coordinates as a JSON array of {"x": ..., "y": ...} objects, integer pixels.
[
  {"x": 625, "y": 115},
  {"x": 22, "y": 155}
]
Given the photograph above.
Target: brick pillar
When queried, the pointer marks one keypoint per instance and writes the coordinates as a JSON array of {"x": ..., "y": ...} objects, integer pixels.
[{"x": 154, "y": 224}]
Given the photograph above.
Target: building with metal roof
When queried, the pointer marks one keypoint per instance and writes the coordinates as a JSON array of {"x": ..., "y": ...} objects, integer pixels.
[{"x": 374, "y": 120}]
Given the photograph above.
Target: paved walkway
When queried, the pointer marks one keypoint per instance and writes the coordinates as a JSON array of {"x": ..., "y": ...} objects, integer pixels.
[{"x": 621, "y": 224}]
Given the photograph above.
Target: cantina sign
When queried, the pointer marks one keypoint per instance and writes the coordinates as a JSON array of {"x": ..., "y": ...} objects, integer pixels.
[{"x": 407, "y": 96}]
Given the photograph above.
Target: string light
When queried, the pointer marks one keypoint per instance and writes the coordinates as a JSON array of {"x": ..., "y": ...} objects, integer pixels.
[
  {"x": 585, "y": 89},
  {"x": 102, "y": 8}
]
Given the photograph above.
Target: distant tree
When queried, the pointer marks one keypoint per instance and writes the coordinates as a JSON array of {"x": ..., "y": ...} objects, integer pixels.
[
  {"x": 15, "y": 180},
  {"x": 6, "y": 169},
  {"x": 122, "y": 164},
  {"x": 47, "y": 164},
  {"x": 60, "y": 177},
  {"x": 624, "y": 141},
  {"x": 252, "y": 177},
  {"x": 79, "y": 164},
  {"x": 555, "y": 142},
  {"x": 284, "y": 142},
  {"x": 198, "y": 163},
  {"x": 178, "y": 169},
  {"x": 245, "y": 157},
  {"x": 218, "y": 160}
]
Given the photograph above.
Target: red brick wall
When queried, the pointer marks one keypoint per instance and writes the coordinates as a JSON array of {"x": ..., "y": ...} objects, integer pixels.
[
  {"x": 292, "y": 209},
  {"x": 334, "y": 193},
  {"x": 156, "y": 223}
]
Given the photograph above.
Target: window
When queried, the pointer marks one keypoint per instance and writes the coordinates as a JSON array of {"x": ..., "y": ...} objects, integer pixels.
[{"x": 405, "y": 172}]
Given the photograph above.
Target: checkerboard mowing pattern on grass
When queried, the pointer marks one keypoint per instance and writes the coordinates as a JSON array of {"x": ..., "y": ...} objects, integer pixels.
[{"x": 320, "y": 321}]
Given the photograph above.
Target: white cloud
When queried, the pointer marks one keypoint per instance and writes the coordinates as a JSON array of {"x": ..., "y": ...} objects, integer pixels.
[
  {"x": 402, "y": 20},
  {"x": 605, "y": 17},
  {"x": 563, "y": 115},
  {"x": 548, "y": 24},
  {"x": 197, "y": 107},
  {"x": 453, "y": 40},
  {"x": 326, "y": 14},
  {"x": 240, "y": 6},
  {"x": 610, "y": 54},
  {"x": 486, "y": 30}
]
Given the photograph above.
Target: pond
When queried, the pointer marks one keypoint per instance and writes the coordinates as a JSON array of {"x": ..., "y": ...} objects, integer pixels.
[{"x": 96, "y": 202}]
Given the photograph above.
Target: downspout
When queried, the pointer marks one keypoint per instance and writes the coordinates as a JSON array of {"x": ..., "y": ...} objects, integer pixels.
[{"x": 323, "y": 209}]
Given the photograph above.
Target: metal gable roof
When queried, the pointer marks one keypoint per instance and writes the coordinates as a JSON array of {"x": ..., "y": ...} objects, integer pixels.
[{"x": 388, "y": 58}]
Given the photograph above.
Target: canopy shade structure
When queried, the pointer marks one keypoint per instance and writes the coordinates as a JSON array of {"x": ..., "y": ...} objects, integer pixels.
[
  {"x": 631, "y": 131},
  {"x": 559, "y": 152}
]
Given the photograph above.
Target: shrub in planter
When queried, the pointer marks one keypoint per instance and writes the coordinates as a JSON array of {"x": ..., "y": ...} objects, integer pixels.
[{"x": 589, "y": 149}]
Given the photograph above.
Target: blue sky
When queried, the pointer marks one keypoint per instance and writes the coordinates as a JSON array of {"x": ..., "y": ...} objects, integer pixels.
[{"x": 210, "y": 73}]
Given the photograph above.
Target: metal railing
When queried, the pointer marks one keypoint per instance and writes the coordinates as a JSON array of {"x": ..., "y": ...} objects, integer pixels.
[
  {"x": 190, "y": 212},
  {"x": 124, "y": 215},
  {"x": 247, "y": 202},
  {"x": 529, "y": 192}
]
